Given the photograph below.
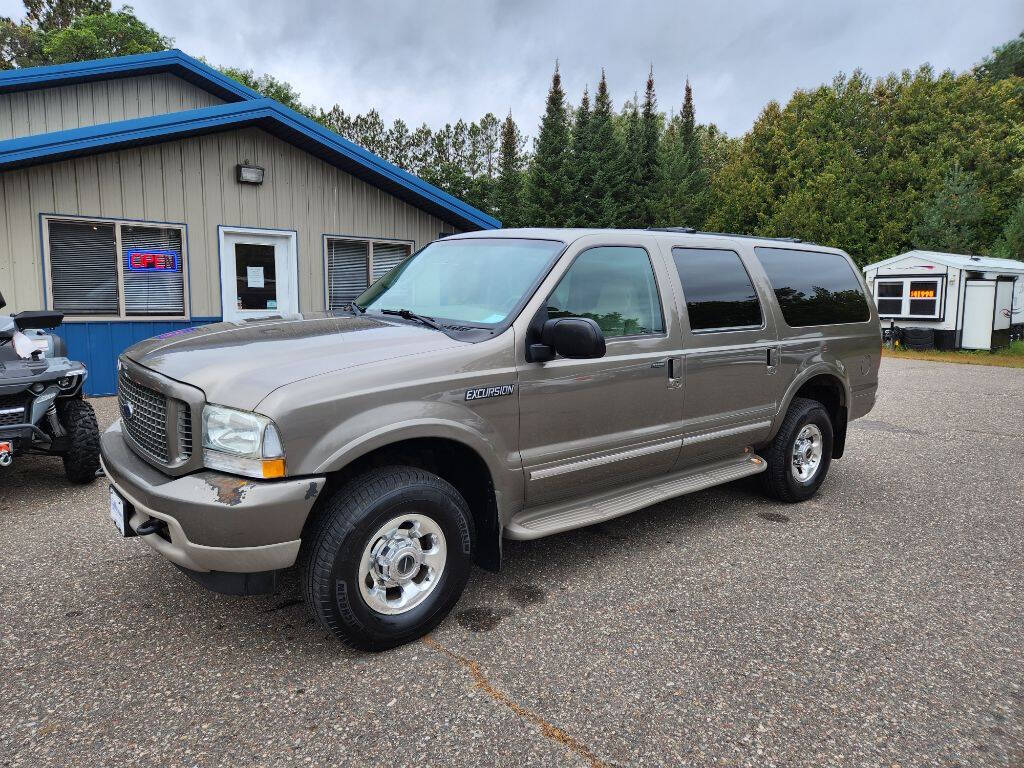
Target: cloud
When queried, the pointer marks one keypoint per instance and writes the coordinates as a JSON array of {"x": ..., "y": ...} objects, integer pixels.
[{"x": 435, "y": 61}]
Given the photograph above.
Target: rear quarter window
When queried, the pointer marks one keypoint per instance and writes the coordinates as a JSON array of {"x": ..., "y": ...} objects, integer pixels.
[{"x": 814, "y": 288}]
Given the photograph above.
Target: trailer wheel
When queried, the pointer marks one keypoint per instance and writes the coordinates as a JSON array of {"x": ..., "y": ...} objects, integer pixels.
[
  {"x": 82, "y": 458},
  {"x": 799, "y": 456}
]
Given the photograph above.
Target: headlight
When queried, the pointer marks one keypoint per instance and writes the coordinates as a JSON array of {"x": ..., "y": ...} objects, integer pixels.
[{"x": 241, "y": 442}]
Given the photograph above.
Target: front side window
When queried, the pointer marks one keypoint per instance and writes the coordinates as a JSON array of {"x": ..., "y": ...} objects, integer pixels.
[
  {"x": 909, "y": 297},
  {"x": 717, "y": 289},
  {"x": 614, "y": 286},
  {"x": 814, "y": 288},
  {"x": 475, "y": 281},
  {"x": 90, "y": 277}
]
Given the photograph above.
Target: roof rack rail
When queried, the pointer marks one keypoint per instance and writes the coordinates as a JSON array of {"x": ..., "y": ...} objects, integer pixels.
[{"x": 692, "y": 231}]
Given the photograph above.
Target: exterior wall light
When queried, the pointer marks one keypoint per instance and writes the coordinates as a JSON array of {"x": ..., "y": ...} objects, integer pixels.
[{"x": 249, "y": 174}]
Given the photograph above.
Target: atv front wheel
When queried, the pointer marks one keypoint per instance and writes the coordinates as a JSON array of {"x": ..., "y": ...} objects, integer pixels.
[{"x": 82, "y": 458}]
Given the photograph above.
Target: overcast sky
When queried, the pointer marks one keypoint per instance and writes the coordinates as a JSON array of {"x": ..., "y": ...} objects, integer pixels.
[{"x": 435, "y": 61}]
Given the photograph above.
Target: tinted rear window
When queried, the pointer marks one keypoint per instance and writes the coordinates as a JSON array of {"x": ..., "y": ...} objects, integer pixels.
[
  {"x": 814, "y": 288},
  {"x": 717, "y": 288}
]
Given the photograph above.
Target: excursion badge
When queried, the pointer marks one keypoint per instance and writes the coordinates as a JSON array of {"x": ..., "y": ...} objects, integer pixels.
[{"x": 482, "y": 392}]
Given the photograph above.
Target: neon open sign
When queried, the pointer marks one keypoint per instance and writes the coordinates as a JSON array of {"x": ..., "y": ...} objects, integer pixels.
[{"x": 153, "y": 260}]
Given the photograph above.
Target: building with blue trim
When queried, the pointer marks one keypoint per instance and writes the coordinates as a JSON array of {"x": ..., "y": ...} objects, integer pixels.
[{"x": 144, "y": 194}]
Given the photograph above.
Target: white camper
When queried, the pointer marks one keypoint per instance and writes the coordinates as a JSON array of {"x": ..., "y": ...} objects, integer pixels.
[{"x": 971, "y": 302}]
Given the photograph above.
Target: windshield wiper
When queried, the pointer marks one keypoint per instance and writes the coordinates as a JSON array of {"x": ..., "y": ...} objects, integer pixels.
[{"x": 410, "y": 315}]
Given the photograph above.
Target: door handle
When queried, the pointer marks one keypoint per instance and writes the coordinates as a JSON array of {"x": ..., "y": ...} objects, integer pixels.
[
  {"x": 675, "y": 372},
  {"x": 772, "y": 359}
]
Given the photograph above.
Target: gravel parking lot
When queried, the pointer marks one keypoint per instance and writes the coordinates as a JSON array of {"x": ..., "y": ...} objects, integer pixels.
[{"x": 880, "y": 624}]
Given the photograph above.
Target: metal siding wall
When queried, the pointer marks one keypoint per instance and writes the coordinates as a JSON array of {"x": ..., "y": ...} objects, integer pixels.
[
  {"x": 192, "y": 181},
  {"x": 74, "y": 106},
  {"x": 97, "y": 344}
]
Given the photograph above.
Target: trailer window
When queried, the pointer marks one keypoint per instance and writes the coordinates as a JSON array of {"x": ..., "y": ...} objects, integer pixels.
[{"x": 907, "y": 297}]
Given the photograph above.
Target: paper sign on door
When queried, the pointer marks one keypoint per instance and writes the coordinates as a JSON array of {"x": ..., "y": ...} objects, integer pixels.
[{"x": 255, "y": 277}]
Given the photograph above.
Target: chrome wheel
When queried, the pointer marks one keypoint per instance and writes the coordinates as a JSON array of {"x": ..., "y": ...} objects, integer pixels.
[
  {"x": 806, "y": 455},
  {"x": 402, "y": 564}
]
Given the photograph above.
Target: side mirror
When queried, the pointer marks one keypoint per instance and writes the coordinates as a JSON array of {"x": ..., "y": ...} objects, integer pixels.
[
  {"x": 2, "y": 302},
  {"x": 573, "y": 337}
]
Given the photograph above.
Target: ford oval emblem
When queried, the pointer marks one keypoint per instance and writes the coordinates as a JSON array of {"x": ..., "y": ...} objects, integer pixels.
[{"x": 126, "y": 411}]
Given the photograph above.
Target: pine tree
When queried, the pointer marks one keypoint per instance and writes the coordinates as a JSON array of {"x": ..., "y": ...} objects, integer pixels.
[
  {"x": 631, "y": 206},
  {"x": 684, "y": 187},
  {"x": 509, "y": 187},
  {"x": 583, "y": 165},
  {"x": 648, "y": 172},
  {"x": 549, "y": 184},
  {"x": 609, "y": 186},
  {"x": 1010, "y": 244},
  {"x": 688, "y": 118},
  {"x": 952, "y": 220}
]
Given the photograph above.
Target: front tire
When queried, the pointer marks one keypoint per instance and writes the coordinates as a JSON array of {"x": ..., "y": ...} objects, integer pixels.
[
  {"x": 800, "y": 454},
  {"x": 387, "y": 557},
  {"x": 82, "y": 458}
]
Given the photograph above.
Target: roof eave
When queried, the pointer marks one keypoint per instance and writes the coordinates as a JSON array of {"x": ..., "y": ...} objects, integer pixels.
[
  {"x": 173, "y": 61},
  {"x": 265, "y": 113}
]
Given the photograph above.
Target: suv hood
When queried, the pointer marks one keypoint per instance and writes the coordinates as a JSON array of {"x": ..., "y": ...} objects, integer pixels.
[{"x": 239, "y": 363}]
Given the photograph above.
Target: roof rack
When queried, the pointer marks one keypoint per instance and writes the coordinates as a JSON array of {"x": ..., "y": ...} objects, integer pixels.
[{"x": 692, "y": 231}]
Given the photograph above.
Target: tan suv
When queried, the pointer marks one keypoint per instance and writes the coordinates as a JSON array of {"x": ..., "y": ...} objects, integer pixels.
[{"x": 518, "y": 383}]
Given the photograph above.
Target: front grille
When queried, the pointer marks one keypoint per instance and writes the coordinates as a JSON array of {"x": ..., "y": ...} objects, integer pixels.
[
  {"x": 148, "y": 423},
  {"x": 184, "y": 431},
  {"x": 12, "y": 409}
]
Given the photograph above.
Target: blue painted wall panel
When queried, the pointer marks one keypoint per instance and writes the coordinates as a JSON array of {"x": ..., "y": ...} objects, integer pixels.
[{"x": 99, "y": 344}]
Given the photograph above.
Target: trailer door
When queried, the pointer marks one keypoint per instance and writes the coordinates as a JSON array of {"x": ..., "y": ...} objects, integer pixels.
[{"x": 979, "y": 311}]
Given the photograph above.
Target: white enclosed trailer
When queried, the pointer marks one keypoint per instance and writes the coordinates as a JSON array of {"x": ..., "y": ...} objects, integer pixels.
[{"x": 971, "y": 302}]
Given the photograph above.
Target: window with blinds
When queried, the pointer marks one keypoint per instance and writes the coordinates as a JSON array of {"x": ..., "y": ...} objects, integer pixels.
[
  {"x": 353, "y": 264},
  {"x": 87, "y": 279},
  {"x": 83, "y": 268},
  {"x": 347, "y": 267},
  {"x": 149, "y": 291}
]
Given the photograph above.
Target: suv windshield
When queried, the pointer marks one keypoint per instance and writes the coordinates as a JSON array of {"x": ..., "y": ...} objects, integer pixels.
[{"x": 478, "y": 282}]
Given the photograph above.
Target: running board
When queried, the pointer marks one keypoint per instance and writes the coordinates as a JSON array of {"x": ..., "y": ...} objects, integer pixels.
[{"x": 566, "y": 516}]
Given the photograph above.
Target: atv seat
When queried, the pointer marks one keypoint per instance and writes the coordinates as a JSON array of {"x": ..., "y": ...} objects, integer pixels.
[{"x": 38, "y": 319}]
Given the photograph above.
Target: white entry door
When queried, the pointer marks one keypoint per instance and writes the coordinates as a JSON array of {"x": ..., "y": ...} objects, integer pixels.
[
  {"x": 979, "y": 309},
  {"x": 258, "y": 273}
]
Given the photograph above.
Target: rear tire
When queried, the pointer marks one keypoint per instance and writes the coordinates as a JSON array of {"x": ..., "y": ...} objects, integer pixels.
[
  {"x": 795, "y": 472},
  {"x": 392, "y": 526},
  {"x": 82, "y": 459}
]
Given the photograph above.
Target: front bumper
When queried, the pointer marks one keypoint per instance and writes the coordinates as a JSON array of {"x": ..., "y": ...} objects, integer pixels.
[{"x": 215, "y": 521}]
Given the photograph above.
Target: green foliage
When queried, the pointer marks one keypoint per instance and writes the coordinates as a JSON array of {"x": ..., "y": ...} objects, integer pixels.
[
  {"x": 866, "y": 165},
  {"x": 582, "y": 164},
  {"x": 548, "y": 199},
  {"x": 609, "y": 186},
  {"x": 951, "y": 220},
  {"x": 101, "y": 35},
  {"x": 51, "y": 15},
  {"x": 61, "y": 31},
  {"x": 1010, "y": 244},
  {"x": 1005, "y": 61},
  {"x": 269, "y": 86},
  {"x": 686, "y": 156},
  {"x": 507, "y": 200}
]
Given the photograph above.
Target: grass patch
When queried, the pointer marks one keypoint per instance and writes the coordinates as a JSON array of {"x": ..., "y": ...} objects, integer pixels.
[{"x": 1008, "y": 357}]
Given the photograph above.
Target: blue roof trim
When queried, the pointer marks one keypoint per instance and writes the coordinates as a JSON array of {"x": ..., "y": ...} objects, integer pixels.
[
  {"x": 173, "y": 61},
  {"x": 265, "y": 113}
]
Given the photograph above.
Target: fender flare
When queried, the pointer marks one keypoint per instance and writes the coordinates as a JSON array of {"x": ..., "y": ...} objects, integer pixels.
[{"x": 833, "y": 370}]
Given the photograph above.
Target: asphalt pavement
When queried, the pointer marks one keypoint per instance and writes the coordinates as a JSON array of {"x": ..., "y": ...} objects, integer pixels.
[{"x": 880, "y": 624}]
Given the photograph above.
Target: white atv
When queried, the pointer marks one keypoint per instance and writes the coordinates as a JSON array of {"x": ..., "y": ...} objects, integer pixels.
[{"x": 41, "y": 404}]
